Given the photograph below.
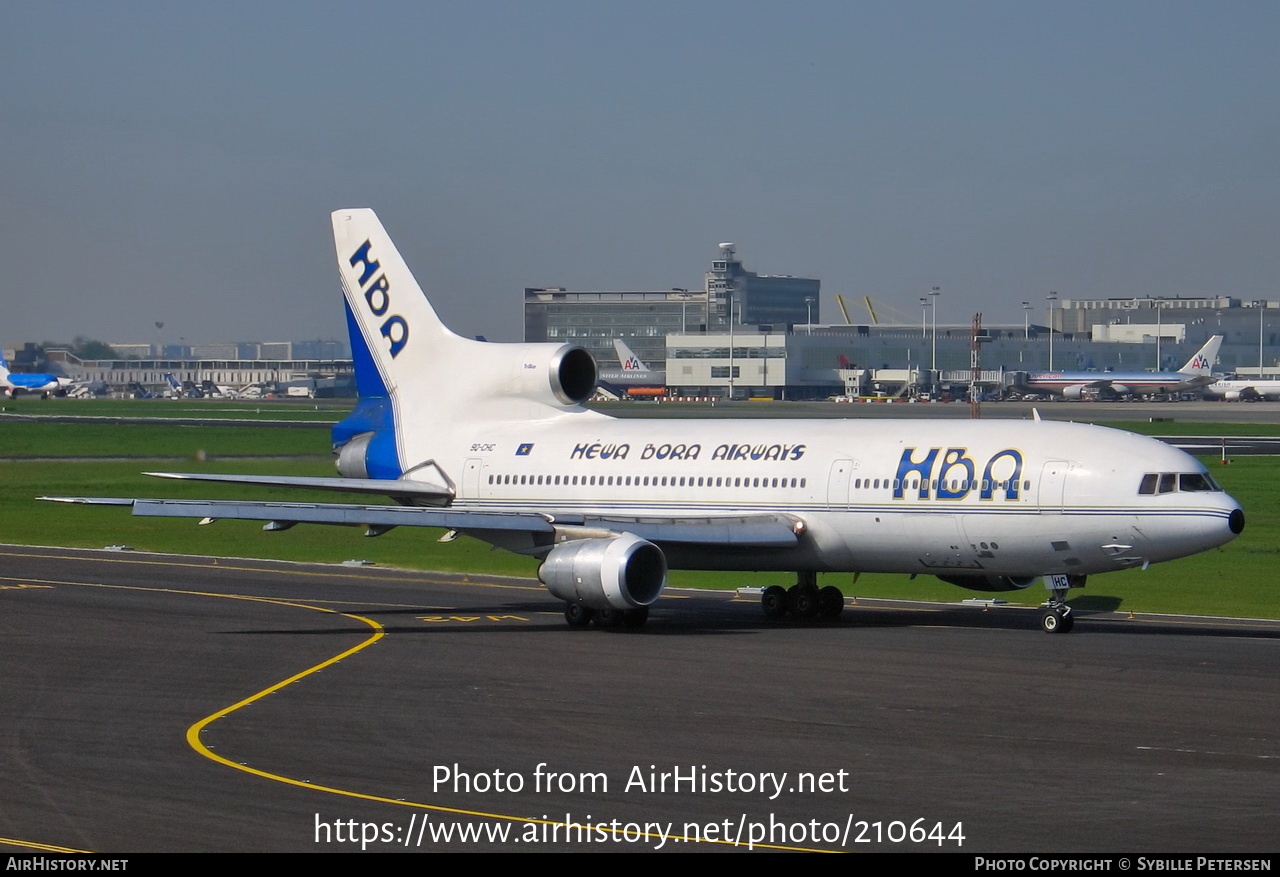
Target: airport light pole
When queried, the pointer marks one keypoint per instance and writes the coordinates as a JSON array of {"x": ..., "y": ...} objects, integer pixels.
[
  {"x": 1053, "y": 305},
  {"x": 1155, "y": 303},
  {"x": 1262, "y": 310},
  {"x": 808, "y": 311},
  {"x": 924, "y": 318},
  {"x": 933, "y": 318},
  {"x": 730, "y": 343},
  {"x": 1026, "y": 321}
]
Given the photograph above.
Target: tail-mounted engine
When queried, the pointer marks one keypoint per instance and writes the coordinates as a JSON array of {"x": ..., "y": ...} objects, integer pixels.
[
  {"x": 624, "y": 572},
  {"x": 567, "y": 377}
]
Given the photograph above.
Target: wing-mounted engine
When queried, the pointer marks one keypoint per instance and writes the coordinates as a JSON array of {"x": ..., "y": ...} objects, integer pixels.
[
  {"x": 991, "y": 582},
  {"x": 624, "y": 572}
]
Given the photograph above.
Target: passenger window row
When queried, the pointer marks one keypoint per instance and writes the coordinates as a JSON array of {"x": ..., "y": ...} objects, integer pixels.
[{"x": 644, "y": 481}]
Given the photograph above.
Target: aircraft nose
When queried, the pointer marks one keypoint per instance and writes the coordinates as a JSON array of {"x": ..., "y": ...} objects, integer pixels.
[{"x": 1236, "y": 522}]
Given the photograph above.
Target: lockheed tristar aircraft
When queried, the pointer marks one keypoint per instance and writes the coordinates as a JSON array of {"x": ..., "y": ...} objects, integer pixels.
[
  {"x": 1196, "y": 374},
  {"x": 492, "y": 440}
]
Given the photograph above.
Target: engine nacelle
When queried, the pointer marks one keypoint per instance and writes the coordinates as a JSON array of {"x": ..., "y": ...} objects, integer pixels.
[
  {"x": 563, "y": 376},
  {"x": 353, "y": 457},
  {"x": 625, "y": 572},
  {"x": 1073, "y": 392},
  {"x": 991, "y": 582}
]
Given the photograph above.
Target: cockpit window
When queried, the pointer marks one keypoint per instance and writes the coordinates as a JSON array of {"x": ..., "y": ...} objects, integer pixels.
[
  {"x": 1168, "y": 482},
  {"x": 1196, "y": 482}
]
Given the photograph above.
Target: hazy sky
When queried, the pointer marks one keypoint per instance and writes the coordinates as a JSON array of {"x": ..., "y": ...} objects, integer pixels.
[{"x": 179, "y": 161}]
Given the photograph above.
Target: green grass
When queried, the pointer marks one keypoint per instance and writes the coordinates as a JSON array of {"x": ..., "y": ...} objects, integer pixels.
[
  {"x": 88, "y": 440},
  {"x": 1233, "y": 580},
  {"x": 1143, "y": 427},
  {"x": 238, "y": 409}
]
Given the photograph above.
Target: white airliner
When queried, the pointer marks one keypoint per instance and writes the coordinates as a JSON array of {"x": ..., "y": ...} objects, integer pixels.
[
  {"x": 492, "y": 440},
  {"x": 1196, "y": 374},
  {"x": 44, "y": 385},
  {"x": 1235, "y": 390}
]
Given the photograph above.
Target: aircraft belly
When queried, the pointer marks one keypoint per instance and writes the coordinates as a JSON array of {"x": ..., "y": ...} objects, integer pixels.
[
  {"x": 892, "y": 540},
  {"x": 1036, "y": 545}
]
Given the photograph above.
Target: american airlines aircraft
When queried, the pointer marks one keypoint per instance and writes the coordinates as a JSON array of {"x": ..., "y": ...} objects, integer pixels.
[
  {"x": 492, "y": 440},
  {"x": 1196, "y": 374},
  {"x": 632, "y": 377}
]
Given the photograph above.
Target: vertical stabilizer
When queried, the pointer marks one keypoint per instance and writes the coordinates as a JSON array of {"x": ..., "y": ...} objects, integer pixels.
[
  {"x": 386, "y": 308},
  {"x": 1201, "y": 365},
  {"x": 627, "y": 358},
  {"x": 418, "y": 382}
]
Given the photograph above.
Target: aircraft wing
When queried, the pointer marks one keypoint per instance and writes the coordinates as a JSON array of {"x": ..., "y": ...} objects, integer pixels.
[
  {"x": 758, "y": 531},
  {"x": 395, "y": 488}
]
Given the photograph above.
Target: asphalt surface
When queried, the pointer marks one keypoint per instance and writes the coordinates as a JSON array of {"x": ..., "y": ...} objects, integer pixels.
[{"x": 1155, "y": 735}]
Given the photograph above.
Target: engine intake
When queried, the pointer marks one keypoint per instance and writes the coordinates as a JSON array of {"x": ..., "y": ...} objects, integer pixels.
[
  {"x": 573, "y": 375},
  {"x": 624, "y": 572}
]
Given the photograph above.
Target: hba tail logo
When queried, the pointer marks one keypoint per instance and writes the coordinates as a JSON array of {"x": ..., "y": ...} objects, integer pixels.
[
  {"x": 377, "y": 295},
  {"x": 631, "y": 365}
]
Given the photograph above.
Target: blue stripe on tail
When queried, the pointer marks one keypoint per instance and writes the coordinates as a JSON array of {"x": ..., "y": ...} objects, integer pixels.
[{"x": 373, "y": 412}]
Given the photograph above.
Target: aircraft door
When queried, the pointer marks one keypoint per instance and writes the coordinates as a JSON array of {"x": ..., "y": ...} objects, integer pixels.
[
  {"x": 1052, "y": 486},
  {"x": 838, "y": 482},
  {"x": 471, "y": 478}
]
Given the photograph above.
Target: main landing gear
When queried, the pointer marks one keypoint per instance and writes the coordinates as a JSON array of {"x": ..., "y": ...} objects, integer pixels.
[
  {"x": 1056, "y": 616},
  {"x": 804, "y": 599},
  {"x": 578, "y": 615}
]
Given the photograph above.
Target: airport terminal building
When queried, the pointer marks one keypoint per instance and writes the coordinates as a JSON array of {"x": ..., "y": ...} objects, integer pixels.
[{"x": 644, "y": 319}]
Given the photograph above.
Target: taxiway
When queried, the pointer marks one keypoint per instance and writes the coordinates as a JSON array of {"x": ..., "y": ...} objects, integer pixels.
[{"x": 157, "y": 703}]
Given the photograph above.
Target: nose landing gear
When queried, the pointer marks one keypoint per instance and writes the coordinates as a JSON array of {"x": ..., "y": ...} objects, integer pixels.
[{"x": 1056, "y": 616}]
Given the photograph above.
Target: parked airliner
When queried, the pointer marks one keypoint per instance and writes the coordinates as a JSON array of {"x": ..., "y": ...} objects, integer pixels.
[
  {"x": 1196, "y": 374},
  {"x": 45, "y": 385},
  {"x": 492, "y": 440},
  {"x": 632, "y": 377},
  {"x": 1238, "y": 390}
]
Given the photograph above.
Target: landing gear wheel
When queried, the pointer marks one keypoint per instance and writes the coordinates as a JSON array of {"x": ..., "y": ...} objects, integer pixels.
[
  {"x": 805, "y": 601},
  {"x": 634, "y": 619},
  {"x": 774, "y": 601},
  {"x": 1057, "y": 619},
  {"x": 609, "y": 617},
  {"x": 830, "y": 602},
  {"x": 578, "y": 615}
]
